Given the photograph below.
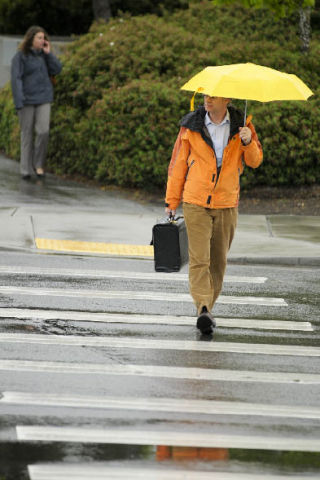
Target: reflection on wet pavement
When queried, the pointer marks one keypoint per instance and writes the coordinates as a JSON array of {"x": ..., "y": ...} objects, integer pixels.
[
  {"x": 164, "y": 452},
  {"x": 15, "y": 458}
]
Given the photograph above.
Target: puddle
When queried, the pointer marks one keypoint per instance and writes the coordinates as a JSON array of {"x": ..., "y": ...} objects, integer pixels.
[{"x": 15, "y": 457}]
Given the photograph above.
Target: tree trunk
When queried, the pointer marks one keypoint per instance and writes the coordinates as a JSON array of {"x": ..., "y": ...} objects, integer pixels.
[
  {"x": 101, "y": 9},
  {"x": 305, "y": 28}
]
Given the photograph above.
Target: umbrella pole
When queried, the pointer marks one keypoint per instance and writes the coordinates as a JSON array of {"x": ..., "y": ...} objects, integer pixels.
[{"x": 245, "y": 114}]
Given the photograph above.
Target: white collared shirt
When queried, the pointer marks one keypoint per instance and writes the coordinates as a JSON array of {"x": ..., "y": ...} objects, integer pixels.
[{"x": 219, "y": 133}]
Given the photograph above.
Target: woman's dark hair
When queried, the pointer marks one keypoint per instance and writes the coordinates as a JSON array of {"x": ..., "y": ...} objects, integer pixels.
[{"x": 26, "y": 44}]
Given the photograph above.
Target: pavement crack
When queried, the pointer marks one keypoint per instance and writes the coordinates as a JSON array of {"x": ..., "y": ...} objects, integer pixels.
[
  {"x": 33, "y": 232},
  {"x": 14, "y": 212}
]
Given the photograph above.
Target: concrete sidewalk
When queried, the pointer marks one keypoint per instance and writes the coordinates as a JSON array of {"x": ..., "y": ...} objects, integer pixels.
[{"x": 62, "y": 216}]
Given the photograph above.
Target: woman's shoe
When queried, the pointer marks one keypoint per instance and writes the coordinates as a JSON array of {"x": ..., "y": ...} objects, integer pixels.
[{"x": 26, "y": 177}]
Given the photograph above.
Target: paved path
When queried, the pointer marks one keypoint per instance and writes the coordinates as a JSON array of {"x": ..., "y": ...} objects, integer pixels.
[
  {"x": 63, "y": 216},
  {"x": 131, "y": 390}
]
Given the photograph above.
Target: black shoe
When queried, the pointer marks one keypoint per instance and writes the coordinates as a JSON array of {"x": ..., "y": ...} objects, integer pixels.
[
  {"x": 205, "y": 322},
  {"x": 26, "y": 177}
]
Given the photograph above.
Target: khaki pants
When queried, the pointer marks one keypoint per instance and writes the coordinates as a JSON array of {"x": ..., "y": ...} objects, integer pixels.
[
  {"x": 210, "y": 234},
  {"x": 34, "y": 118}
]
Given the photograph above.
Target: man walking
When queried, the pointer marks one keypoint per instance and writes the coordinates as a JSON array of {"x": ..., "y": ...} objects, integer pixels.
[{"x": 207, "y": 161}]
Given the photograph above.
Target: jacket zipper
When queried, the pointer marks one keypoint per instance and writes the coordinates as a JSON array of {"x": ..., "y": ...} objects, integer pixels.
[
  {"x": 214, "y": 180},
  {"x": 219, "y": 169},
  {"x": 189, "y": 168}
]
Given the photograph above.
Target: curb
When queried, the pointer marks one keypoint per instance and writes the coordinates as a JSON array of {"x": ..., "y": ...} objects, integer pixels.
[
  {"x": 281, "y": 260},
  {"x": 239, "y": 260}
]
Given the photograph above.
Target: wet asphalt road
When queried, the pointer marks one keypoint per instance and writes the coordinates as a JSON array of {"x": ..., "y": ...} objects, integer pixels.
[
  {"x": 110, "y": 388},
  {"x": 103, "y": 373}
]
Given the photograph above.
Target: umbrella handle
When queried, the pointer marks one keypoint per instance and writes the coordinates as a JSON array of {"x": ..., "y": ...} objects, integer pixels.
[{"x": 245, "y": 114}]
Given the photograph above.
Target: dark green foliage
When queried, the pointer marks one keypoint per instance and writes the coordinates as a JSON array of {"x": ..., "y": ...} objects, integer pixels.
[
  {"x": 60, "y": 17},
  {"x": 112, "y": 55},
  {"x": 124, "y": 138},
  {"x": 9, "y": 125},
  {"x": 141, "y": 7},
  {"x": 281, "y": 8},
  {"x": 289, "y": 133},
  {"x": 118, "y": 99}
]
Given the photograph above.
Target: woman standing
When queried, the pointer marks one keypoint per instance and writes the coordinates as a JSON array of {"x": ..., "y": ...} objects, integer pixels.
[{"x": 32, "y": 89}]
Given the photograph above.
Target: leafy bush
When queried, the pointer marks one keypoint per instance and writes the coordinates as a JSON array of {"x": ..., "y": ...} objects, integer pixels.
[
  {"x": 291, "y": 149},
  {"x": 9, "y": 125},
  {"x": 125, "y": 137},
  {"x": 126, "y": 49},
  {"x": 141, "y": 7},
  {"x": 118, "y": 99}
]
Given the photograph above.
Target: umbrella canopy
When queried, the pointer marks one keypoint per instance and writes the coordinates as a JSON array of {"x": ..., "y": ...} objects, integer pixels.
[{"x": 248, "y": 81}]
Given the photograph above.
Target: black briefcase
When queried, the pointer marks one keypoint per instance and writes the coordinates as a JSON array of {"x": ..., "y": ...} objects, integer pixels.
[{"x": 170, "y": 243}]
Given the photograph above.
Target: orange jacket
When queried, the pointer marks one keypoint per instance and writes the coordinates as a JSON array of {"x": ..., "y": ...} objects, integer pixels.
[{"x": 193, "y": 175}]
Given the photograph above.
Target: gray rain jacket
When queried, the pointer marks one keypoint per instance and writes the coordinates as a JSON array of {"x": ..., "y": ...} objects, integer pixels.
[{"x": 30, "y": 77}]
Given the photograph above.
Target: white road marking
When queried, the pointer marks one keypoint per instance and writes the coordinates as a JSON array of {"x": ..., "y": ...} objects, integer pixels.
[
  {"x": 137, "y": 295},
  {"x": 175, "y": 277},
  {"x": 149, "y": 343},
  {"x": 97, "y": 472},
  {"x": 149, "y": 437},
  {"x": 208, "y": 407},
  {"x": 24, "y": 313},
  {"x": 209, "y": 374}
]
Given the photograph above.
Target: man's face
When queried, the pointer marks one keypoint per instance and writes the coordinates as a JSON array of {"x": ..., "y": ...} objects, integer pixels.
[{"x": 215, "y": 104}]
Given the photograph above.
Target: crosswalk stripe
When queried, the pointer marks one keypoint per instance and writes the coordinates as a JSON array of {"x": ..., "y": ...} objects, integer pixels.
[
  {"x": 149, "y": 343},
  {"x": 97, "y": 472},
  {"x": 174, "y": 277},
  {"x": 149, "y": 437},
  {"x": 155, "y": 371},
  {"x": 208, "y": 407},
  {"x": 138, "y": 295},
  {"x": 34, "y": 314}
]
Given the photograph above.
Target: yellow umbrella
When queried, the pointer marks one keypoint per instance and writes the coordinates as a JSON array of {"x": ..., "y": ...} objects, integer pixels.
[{"x": 248, "y": 81}]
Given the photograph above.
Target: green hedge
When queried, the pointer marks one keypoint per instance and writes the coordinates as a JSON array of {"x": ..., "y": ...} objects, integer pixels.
[
  {"x": 118, "y": 99},
  {"x": 129, "y": 149},
  {"x": 9, "y": 126},
  {"x": 289, "y": 134}
]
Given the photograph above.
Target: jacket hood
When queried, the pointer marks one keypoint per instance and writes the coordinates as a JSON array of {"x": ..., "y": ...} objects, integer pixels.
[{"x": 195, "y": 120}]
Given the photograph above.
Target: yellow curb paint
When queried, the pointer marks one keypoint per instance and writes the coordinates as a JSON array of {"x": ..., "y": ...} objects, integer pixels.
[{"x": 94, "y": 247}]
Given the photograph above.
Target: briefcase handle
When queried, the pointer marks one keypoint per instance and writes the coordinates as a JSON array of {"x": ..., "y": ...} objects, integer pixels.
[{"x": 172, "y": 218}]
